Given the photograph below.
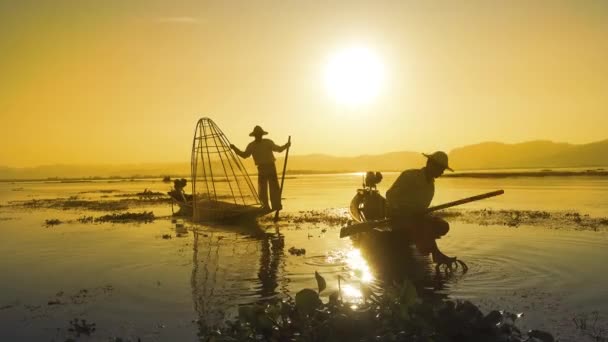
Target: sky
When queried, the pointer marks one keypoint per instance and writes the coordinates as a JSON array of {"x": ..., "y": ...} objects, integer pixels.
[{"x": 112, "y": 82}]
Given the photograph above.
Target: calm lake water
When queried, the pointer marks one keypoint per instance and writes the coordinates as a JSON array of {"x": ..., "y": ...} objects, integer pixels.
[{"x": 133, "y": 283}]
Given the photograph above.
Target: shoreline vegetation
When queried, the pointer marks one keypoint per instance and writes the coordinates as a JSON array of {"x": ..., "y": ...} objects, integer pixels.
[
  {"x": 497, "y": 173},
  {"x": 402, "y": 313}
]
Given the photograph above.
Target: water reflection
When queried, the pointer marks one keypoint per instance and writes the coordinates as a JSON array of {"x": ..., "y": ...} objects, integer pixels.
[
  {"x": 392, "y": 260},
  {"x": 351, "y": 294},
  {"x": 234, "y": 266},
  {"x": 271, "y": 256}
]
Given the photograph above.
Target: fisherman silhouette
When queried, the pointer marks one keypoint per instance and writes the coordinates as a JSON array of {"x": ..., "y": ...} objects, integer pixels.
[
  {"x": 409, "y": 197},
  {"x": 261, "y": 150}
]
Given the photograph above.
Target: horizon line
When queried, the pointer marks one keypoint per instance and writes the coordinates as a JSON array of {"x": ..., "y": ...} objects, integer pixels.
[{"x": 301, "y": 155}]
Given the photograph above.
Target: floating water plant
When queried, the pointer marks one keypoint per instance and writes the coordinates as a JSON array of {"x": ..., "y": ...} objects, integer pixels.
[
  {"x": 400, "y": 314},
  {"x": 52, "y": 222},
  {"x": 146, "y": 216}
]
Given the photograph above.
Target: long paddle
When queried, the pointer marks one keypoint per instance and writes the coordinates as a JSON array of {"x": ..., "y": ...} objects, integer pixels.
[
  {"x": 368, "y": 226},
  {"x": 276, "y": 215}
]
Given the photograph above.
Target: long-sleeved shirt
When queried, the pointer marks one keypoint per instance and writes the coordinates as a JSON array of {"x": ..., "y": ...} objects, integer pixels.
[
  {"x": 411, "y": 193},
  {"x": 261, "y": 151}
]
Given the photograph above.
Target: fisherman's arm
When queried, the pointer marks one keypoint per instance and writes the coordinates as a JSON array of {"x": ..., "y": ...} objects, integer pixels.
[
  {"x": 242, "y": 154},
  {"x": 277, "y": 148}
]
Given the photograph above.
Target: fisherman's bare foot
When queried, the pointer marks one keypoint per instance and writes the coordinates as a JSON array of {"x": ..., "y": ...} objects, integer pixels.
[{"x": 440, "y": 258}]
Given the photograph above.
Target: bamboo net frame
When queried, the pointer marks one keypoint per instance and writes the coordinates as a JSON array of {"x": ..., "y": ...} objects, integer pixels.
[{"x": 221, "y": 186}]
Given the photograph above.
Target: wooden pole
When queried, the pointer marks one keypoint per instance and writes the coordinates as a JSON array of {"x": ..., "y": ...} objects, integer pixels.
[{"x": 276, "y": 215}]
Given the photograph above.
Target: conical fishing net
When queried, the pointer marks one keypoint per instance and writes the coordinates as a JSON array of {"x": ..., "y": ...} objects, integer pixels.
[{"x": 221, "y": 187}]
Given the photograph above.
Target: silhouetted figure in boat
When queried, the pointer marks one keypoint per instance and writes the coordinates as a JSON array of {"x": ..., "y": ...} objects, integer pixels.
[
  {"x": 407, "y": 200},
  {"x": 178, "y": 192},
  {"x": 261, "y": 150}
]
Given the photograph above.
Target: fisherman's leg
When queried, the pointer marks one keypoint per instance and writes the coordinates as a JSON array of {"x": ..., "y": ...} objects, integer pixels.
[
  {"x": 429, "y": 228},
  {"x": 275, "y": 190},
  {"x": 405, "y": 228},
  {"x": 263, "y": 188},
  {"x": 440, "y": 227},
  {"x": 435, "y": 228}
]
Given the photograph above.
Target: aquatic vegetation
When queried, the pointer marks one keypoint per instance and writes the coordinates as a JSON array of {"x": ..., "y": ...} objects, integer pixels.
[
  {"x": 52, "y": 222},
  {"x": 515, "y": 218},
  {"x": 400, "y": 314},
  {"x": 86, "y": 219},
  {"x": 296, "y": 251},
  {"x": 484, "y": 217},
  {"x": 81, "y": 327},
  {"x": 146, "y": 216},
  {"x": 329, "y": 217},
  {"x": 72, "y": 202},
  {"x": 90, "y": 205},
  {"x": 102, "y": 191},
  {"x": 588, "y": 326},
  {"x": 151, "y": 195}
]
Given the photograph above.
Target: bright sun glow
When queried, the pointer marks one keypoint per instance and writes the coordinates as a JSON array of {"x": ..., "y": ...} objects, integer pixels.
[{"x": 354, "y": 76}]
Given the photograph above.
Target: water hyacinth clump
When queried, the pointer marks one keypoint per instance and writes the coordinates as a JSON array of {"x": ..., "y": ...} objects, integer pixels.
[
  {"x": 126, "y": 217},
  {"x": 400, "y": 314}
]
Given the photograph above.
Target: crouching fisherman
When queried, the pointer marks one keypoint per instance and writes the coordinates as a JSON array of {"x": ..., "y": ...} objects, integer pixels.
[{"x": 407, "y": 201}]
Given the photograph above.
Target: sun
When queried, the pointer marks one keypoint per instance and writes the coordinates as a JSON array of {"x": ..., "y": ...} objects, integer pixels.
[{"x": 354, "y": 76}]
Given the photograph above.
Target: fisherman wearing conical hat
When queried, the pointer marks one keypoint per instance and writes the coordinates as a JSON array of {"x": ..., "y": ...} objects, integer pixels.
[
  {"x": 261, "y": 150},
  {"x": 409, "y": 197}
]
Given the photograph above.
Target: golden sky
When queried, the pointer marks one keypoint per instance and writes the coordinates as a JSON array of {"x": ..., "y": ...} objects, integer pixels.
[{"x": 125, "y": 81}]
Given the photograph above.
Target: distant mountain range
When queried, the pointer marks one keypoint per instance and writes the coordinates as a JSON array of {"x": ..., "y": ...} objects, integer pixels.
[
  {"x": 533, "y": 154},
  {"x": 487, "y": 155}
]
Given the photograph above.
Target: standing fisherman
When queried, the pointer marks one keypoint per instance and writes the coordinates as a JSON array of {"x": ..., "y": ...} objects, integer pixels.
[{"x": 261, "y": 150}]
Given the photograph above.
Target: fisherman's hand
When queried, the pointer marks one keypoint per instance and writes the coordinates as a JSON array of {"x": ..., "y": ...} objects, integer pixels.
[
  {"x": 232, "y": 147},
  {"x": 288, "y": 144}
]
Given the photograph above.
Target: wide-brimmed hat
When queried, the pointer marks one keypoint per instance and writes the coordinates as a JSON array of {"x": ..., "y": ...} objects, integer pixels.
[
  {"x": 257, "y": 130},
  {"x": 440, "y": 158}
]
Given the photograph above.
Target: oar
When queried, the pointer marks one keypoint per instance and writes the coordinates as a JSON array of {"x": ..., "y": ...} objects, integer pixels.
[
  {"x": 276, "y": 215},
  {"x": 368, "y": 226}
]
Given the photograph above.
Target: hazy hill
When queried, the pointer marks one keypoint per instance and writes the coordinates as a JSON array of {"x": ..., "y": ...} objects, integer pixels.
[
  {"x": 488, "y": 155},
  {"x": 531, "y": 154},
  {"x": 499, "y": 155},
  {"x": 594, "y": 154}
]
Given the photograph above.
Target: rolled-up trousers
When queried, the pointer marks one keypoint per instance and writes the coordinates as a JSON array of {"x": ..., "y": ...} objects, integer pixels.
[{"x": 267, "y": 178}]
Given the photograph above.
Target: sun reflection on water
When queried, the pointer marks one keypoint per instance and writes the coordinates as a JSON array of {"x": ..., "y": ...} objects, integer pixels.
[
  {"x": 358, "y": 266},
  {"x": 352, "y": 294},
  {"x": 360, "y": 275}
]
